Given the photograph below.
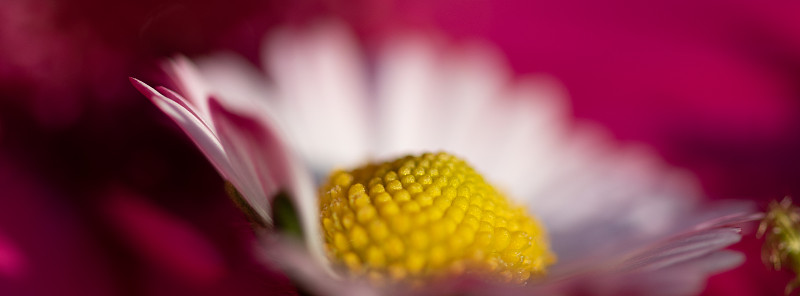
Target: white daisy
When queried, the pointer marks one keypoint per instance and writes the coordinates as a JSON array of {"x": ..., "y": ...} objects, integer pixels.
[{"x": 618, "y": 220}]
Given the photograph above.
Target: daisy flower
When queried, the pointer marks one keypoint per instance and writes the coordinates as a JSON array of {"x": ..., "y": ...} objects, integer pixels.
[{"x": 429, "y": 168}]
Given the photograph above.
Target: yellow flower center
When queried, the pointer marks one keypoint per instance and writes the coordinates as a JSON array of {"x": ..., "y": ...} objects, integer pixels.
[{"x": 426, "y": 216}]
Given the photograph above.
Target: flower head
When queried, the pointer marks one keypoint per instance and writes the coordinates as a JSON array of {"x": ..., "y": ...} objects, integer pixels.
[
  {"x": 617, "y": 219},
  {"x": 429, "y": 215}
]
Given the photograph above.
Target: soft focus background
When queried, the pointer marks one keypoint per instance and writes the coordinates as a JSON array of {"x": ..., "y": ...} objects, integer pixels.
[{"x": 101, "y": 194}]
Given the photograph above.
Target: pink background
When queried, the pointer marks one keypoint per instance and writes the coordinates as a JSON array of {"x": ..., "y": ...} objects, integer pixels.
[{"x": 101, "y": 194}]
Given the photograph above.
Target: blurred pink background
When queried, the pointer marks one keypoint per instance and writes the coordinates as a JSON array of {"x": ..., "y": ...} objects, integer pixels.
[{"x": 101, "y": 194}]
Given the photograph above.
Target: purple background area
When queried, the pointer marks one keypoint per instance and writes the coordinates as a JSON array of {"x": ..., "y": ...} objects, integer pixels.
[{"x": 101, "y": 194}]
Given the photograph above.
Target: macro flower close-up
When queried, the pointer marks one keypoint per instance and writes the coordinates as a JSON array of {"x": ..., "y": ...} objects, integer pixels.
[
  {"x": 426, "y": 166},
  {"x": 399, "y": 147}
]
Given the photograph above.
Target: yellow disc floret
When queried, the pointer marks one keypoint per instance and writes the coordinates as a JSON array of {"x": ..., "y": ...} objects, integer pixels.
[{"x": 426, "y": 216}]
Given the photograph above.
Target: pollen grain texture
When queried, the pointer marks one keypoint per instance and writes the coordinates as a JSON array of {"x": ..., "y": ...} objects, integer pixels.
[{"x": 427, "y": 216}]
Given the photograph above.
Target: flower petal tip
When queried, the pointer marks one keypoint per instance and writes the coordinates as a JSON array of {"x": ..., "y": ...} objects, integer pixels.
[{"x": 143, "y": 88}]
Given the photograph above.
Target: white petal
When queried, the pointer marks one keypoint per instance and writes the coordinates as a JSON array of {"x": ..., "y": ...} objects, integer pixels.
[
  {"x": 682, "y": 249},
  {"x": 237, "y": 83},
  {"x": 522, "y": 132},
  {"x": 613, "y": 196},
  {"x": 256, "y": 153},
  {"x": 191, "y": 84},
  {"x": 322, "y": 87},
  {"x": 194, "y": 126},
  {"x": 264, "y": 166},
  {"x": 407, "y": 76},
  {"x": 311, "y": 274}
]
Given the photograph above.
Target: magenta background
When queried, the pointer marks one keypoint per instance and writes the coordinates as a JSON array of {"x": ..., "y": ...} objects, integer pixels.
[{"x": 101, "y": 194}]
